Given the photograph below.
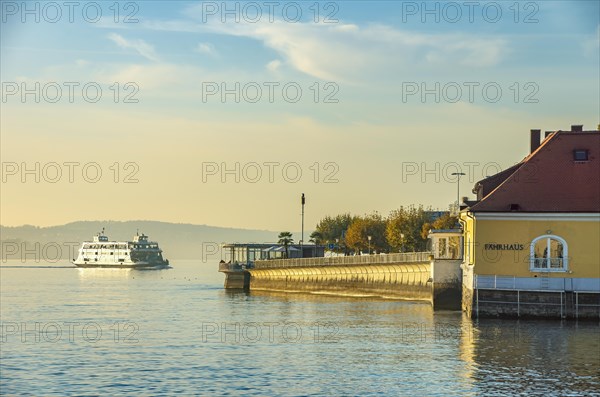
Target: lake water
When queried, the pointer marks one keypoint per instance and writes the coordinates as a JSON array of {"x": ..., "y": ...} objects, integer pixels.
[{"x": 68, "y": 331}]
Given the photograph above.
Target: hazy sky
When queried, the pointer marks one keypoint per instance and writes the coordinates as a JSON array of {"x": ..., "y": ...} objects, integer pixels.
[{"x": 225, "y": 116}]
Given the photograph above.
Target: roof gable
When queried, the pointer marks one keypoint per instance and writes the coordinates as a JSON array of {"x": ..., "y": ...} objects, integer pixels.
[{"x": 549, "y": 180}]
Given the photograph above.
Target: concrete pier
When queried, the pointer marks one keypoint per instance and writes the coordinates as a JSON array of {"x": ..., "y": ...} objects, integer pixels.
[
  {"x": 235, "y": 276},
  {"x": 410, "y": 276},
  {"x": 407, "y": 281}
]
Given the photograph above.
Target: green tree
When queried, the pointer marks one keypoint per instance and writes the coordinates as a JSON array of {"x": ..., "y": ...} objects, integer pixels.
[
  {"x": 357, "y": 237},
  {"x": 404, "y": 229},
  {"x": 285, "y": 239},
  {"x": 446, "y": 221},
  {"x": 333, "y": 229}
]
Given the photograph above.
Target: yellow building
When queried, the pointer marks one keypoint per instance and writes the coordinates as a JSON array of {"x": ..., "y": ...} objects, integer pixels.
[{"x": 532, "y": 236}]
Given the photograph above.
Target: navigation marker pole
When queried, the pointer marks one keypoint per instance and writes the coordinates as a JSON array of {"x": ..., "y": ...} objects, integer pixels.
[{"x": 303, "y": 202}]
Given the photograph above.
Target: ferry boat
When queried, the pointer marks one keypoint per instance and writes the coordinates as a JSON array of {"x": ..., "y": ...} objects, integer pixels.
[{"x": 139, "y": 253}]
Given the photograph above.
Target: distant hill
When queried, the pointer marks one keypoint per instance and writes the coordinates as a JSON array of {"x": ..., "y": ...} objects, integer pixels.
[{"x": 178, "y": 240}]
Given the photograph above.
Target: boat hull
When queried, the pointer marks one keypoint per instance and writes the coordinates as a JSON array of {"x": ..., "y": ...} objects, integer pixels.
[{"x": 137, "y": 265}]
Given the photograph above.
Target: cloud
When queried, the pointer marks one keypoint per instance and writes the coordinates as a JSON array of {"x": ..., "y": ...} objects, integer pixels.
[
  {"x": 206, "y": 48},
  {"x": 140, "y": 46},
  {"x": 349, "y": 52},
  {"x": 353, "y": 53},
  {"x": 477, "y": 53},
  {"x": 274, "y": 65},
  {"x": 153, "y": 76}
]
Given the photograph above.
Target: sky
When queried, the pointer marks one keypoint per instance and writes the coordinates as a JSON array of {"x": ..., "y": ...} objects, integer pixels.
[{"x": 225, "y": 113}]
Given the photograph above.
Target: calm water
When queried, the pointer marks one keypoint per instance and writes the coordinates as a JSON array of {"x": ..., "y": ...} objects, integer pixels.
[{"x": 110, "y": 332}]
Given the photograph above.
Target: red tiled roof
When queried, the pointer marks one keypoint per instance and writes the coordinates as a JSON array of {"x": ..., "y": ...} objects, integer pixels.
[
  {"x": 487, "y": 185},
  {"x": 549, "y": 180}
]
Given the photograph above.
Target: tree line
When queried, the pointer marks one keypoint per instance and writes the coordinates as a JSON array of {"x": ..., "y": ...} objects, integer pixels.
[{"x": 403, "y": 230}]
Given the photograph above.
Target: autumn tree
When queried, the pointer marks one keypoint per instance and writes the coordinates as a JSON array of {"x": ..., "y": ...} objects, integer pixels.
[
  {"x": 404, "y": 229},
  {"x": 357, "y": 237}
]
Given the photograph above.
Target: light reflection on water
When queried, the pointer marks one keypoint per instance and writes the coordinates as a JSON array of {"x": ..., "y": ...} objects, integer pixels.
[{"x": 176, "y": 331}]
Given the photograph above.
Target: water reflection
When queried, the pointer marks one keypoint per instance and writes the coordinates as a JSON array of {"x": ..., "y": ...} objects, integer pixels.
[
  {"x": 194, "y": 335},
  {"x": 102, "y": 273},
  {"x": 534, "y": 357},
  {"x": 87, "y": 274}
]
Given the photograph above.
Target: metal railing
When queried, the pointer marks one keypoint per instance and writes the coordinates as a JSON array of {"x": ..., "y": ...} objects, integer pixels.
[
  {"x": 518, "y": 303},
  {"x": 481, "y": 281},
  {"x": 378, "y": 259},
  {"x": 548, "y": 263},
  {"x": 578, "y": 305},
  {"x": 230, "y": 267}
]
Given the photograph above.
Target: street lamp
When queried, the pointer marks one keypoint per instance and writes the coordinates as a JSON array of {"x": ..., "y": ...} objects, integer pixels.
[
  {"x": 303, "y": 201},
  {"x": 458, "y": 174},
  {"x": 401, "y": 242},
  {"x": 369, "y": 238}
]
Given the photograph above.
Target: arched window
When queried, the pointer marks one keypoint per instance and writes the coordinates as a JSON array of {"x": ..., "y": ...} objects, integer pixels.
[{"x": 548, "y": 253}]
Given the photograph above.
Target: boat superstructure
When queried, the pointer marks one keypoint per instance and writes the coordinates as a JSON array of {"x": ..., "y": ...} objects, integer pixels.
[{"x": 139, "y": 253}]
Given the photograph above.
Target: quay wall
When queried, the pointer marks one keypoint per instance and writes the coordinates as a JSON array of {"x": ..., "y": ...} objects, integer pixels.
[
  {"x": 401, "y": 281},
  {"x": 543, "y": 304},
  {"x": 411, "y": 276},
  {"x": 446, "y": 284},
  {"x": 235, "y": 276},
  {"x": 529, "y": 297}
]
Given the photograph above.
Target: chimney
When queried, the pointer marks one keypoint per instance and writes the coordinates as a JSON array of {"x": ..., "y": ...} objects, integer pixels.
[
  {"x": 577, "y": 128},
  {"x": 548, "y": 133},
  {"x": 535, "y": 139}
]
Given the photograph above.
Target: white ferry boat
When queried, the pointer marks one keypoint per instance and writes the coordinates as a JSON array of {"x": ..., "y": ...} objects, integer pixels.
[{"x": 139, "y": 253}]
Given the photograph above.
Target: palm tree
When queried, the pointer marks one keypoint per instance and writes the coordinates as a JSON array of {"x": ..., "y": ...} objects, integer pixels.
[
  {"x": 316, "y": 237},
  {"x": 285, "y": 239}
]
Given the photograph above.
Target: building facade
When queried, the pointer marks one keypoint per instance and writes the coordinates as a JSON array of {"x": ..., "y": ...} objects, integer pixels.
[{"x": 532, "y": 236}]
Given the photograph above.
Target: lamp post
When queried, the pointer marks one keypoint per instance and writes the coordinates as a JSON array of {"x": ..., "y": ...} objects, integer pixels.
[
  {"x": 458, "y": 175},
  {"x": 369, "y": 238},
  {"x": 303, "y": 201},
  {"x": 401, "y": 242}
]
